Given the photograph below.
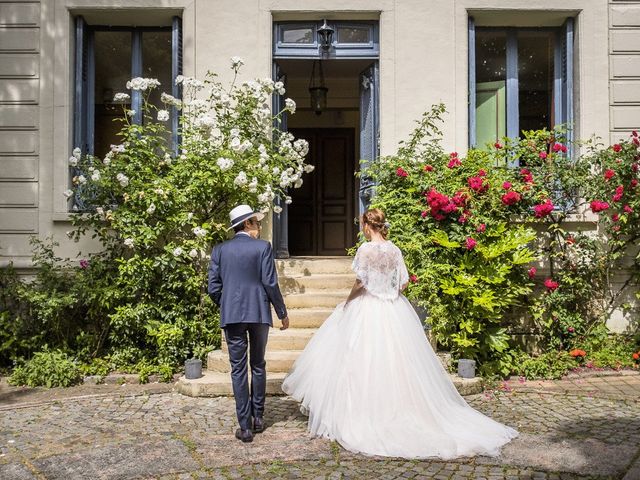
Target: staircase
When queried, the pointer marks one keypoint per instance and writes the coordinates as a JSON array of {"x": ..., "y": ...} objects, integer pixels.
[{"x": 312, "y": 287}]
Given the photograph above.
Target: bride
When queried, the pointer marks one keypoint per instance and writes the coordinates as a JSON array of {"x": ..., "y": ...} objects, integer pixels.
[{"x": 370, "y": 379}]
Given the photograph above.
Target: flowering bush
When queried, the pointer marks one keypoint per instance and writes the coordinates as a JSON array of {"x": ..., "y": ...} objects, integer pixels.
[
  {"x": 467, "y": 225},
  {"x": 157, "y": 213}
]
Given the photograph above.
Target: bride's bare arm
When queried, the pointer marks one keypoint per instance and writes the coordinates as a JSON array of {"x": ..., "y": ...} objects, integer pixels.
[{"x": 357, "y": 290}]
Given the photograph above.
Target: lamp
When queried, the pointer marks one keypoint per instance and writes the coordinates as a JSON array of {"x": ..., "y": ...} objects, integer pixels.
[
  {"x": 325, "y": 32},
  {"x": 317, "y": 88}
]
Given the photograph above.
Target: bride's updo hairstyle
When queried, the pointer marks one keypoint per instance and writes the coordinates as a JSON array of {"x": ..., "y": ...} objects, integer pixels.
[{"x": 375, "y": 219}]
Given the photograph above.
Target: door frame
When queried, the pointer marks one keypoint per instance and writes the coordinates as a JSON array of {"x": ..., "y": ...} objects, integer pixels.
[{"x": 280, "y": 223}]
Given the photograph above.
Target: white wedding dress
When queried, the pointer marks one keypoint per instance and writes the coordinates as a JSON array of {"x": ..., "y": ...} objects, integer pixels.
[{"x": 371, "y": 381}]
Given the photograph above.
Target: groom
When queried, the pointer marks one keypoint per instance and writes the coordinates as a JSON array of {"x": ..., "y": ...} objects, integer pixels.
[{"x": 243, "y": 282}]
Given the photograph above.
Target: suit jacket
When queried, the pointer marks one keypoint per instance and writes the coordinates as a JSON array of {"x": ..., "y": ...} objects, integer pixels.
[{"x": 243, "y": 281}]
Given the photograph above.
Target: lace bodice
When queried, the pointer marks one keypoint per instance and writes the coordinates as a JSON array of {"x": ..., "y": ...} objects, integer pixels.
[{"x": 381, "y": 269}]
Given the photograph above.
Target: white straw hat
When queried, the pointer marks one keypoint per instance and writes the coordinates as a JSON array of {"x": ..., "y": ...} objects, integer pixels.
[{"x": 241, "y": 213}]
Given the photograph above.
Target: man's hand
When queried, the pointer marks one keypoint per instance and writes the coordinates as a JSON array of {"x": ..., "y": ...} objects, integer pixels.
[{"x": 285, "y": 323}]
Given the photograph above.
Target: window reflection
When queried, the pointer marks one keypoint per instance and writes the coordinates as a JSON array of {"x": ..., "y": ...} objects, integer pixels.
[
  {"x": 354, "y": 35},
  {"x": 112, "y": 70},
  {"x": 297, "y": 35},
  {"x": 535, "y": 79}
]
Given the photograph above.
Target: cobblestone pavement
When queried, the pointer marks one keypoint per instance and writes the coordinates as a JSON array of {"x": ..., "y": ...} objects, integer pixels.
[{"x": 568, "y": 431}]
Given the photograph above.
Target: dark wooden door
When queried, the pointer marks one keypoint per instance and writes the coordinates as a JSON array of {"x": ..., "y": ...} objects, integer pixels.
[{"x": 321, "y": 215}]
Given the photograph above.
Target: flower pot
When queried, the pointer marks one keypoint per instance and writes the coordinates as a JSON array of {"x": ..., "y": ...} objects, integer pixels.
[
  {"x": 466, "y": 368},
  {"x": 193, "y": 368}
]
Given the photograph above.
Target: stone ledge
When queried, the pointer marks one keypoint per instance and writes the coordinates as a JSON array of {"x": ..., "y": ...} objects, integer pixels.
[{"x": 218, "y": 384}]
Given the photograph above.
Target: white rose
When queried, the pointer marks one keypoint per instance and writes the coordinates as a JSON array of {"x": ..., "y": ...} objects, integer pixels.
[
  {"x": 122, "y": 179},
  {"x": 199, "y": 232},
  {"x": 189, "y": 216},
  {"x": 73, "y": 161},
  {"x": 290, "y": 105},
  {"x": 68, "y": 193},
  {"x": 193, "y": 253},
  {"x": 235, "y": 144},
  {"x": 298, "y": 183},
  {"x": 100, "y": 211},
  {"x": 121, "y": 97},
  {"x": 277, "y": 209},
  {"x": 151, "y": 208},
  {"x": 163, "y": 115},
  {"x": 288, "y": 200},
  {"x": 309, "y": 168},
  {"x": 241, "y": 179},
  {"x": 177, "y": 252},
  {"x": 276, "y": 171},
  {"x": 95, "y": 176},
  {"x": 129, "y": 242},
  {"x": 253, "y": 185},
  {"x": 81, "y": 179},
  {"x": 131, "y": 113},
  {"x": 77, "y": 153},
  {"x": 236, "y": 62},
  {"x": 224, "y": 163}
]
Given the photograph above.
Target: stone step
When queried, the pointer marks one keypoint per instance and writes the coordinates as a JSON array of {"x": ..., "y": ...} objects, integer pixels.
[
  {"x": 218, "y": 384},
  {"x": 214, "y": 384},
  {"x": 278, "y": 361},
  {"x": 290, "y": 339},
  {"x": 316, "y": 282},
  {"x": 307, "y": 317},
  {"x": 307, "y": 266},
  {"x": 327, "y": 299}
]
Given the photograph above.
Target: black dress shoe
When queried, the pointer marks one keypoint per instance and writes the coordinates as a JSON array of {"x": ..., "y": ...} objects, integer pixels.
[
  {"x": 245, "y": 435},
  {"x": 258, "y": 425}
]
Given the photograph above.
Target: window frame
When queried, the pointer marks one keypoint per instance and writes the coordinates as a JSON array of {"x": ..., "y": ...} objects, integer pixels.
[
  {"x": 84, "y": 104},
  {"x": 337, "y": 50},
  {"x": 84, "y": 77},
  {"x": 563, "y": 82}
]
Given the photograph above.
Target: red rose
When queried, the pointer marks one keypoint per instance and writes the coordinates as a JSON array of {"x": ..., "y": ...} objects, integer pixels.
[
  {"x": 481, "y": 228},
  {"x": 634, "y": 133},
  {"x": 454, "y": 162},
  {"x": 413, "y": 278},
  {"x": 598, "y": 206},
  {"x": 616, "y": 197},
  {"x": 615, "y": 217},
  {"x": 634, "y": 167},
  {"x": 401, "y": 172},
  {"x": 476, "y": 184},
  {"x": 428, "y": 168},
  {"x": 550, "y": 284},
  {"x": 543, "y": 209},
  {"x": 471, "y": 243},
  {"x": 532, "y": 272},
  {"x": 571, "y": 329},
  {"x": 424, "y": 214},
  {"x": 463, "y": 218},
  {"x": 526, "y": 175},
  {"x": 511, "y": 198},
  {"x": 497, "y": 145},
  {"x": 558, "y": 147},
  {"x": 506, "y": 185},
  {"x": 482, "y": 173},
  {"x": 459, "y": 198},
  {"x": 627, "y": 209},
  {"x": 634, "y": 183},
  {"x": 617, "y": 147},
  {"x": 543, "y": 155},
  {"x": 609, "y": 174}
]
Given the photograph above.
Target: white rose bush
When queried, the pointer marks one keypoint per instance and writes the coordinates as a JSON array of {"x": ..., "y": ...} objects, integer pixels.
[{"x": 158, "y": 210}]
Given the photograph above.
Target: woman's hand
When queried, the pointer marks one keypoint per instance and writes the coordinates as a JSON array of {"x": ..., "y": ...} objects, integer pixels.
[
  {"x": 357, "y": 290},
  {"x": 404, "y": 286}
]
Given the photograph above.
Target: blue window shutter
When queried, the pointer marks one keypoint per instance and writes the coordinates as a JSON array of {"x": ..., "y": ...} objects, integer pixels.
[
  {"x": 567, "y": 78},
  {"x": 369, "y": 127},
  {"x": 136, "y": 71},
  {"x": 80, "y": 100},
  {"x": 472, "y": 82},
  {"x": 513, "y": 114},
  {"x": 176, "y": 69}
]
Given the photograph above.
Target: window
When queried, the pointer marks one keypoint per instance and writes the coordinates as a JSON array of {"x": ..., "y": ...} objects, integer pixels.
[
  {"x": 355, "y": 39},
  {"x": 106, "y": 57},
  {"x": 519, "y": 79}
]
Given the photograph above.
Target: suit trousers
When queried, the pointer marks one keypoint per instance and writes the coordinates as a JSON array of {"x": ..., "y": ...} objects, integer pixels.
[{"x": 241, "y": 337}]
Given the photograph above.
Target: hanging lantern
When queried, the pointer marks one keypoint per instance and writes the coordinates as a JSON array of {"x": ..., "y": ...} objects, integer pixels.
[{"x": 317, "y": 89}]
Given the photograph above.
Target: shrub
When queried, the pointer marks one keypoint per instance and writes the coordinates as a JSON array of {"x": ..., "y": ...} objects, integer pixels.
[{"x": 49, "y": 368}]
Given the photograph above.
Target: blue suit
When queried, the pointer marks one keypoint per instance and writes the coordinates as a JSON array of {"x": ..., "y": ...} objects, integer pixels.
[{"x": 243, "y": 282}]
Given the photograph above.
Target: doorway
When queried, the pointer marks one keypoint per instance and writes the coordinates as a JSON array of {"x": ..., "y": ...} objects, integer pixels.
[
  {"x": 321, "y": 217},
  {"x": 342, "y": 136}
]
